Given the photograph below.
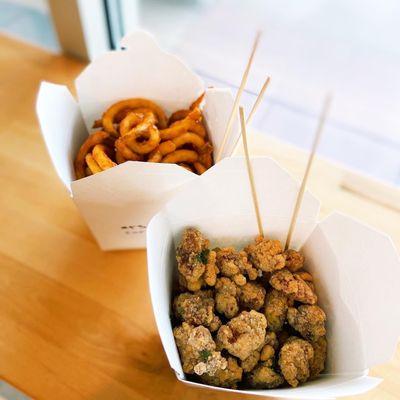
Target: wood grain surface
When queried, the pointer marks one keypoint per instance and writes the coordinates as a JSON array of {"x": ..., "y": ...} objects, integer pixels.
[{"x": 75, "y": 322}]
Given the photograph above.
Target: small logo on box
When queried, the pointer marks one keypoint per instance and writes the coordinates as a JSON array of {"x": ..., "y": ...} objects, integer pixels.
[{"x": 133, "y": 229}]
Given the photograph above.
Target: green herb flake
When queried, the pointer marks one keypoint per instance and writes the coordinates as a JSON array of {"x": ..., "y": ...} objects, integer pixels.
[
  {"x": 202, "y": 257},
  {"x": 204, "y": 354}
]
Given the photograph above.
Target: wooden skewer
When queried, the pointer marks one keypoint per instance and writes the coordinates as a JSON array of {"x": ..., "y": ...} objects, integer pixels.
[
  {"x": 256, "y": 104},
  {"x": 238, "y": 96},
  {"x": 250, "y": 172},
  {"x": 258, "y": 100},
  {"x": 318, "y": 132}
]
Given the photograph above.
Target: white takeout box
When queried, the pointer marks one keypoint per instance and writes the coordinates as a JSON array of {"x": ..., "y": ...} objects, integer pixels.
[
  {"x": 355, "y": 268},
  {"x": 118, "y": 203}
]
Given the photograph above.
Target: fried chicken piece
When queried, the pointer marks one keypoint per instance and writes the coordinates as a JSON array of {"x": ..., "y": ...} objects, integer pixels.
[
  {"x": 295, "y": 358},
  {"x": 267, "y": 354},
  {"x": 311, "y": 285},
  {"x": 264, "y": 377},
  {"x": 226, "y": 378},
  {"x": 320, "y": 352},
  {"x": 250, "y": 362},
  {"x": 195, "y": 308},
  {"x": 212, "y": 363},
  {"x": 266, "y": 255},
  {"x": 197, "y": 349},
  {"x": 215, "y": 324},
  {"x": 306, "y": 276},
  {"x": 276, "y": 306},
  {"x": 271, "y": 338},
  {"x": 309, "y": 321},
  {"x": 294, "y": 260},
  {"x": 251, "y": 296},
  {"x": 211, "y": 272},
  {"x": 293, "y": 286},
  {"x": 196, "y": 263},
  {"x": 264, "y": 349},
  {"x": 226, "y": 297},
  {"x": 243, "y": 334},
  {"x": 234, "y": 264}
]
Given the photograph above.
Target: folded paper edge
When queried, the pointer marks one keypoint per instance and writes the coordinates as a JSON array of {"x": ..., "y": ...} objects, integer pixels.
[
  {"x": 392, "y": 331},
  {"x": 354, "y": 386},
  {"x": 52, "y": 89},
  {"x": 166, "y": 336}
]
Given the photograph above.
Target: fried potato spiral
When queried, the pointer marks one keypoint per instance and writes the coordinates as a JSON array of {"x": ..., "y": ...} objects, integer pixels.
[
  {"x": 188, "y": 138},
  {"x": 101, "y": 157},
  {"x": 138, "y": 130},
  {"x": 87, "y": 146},
  {"x": 181, "y": 156},
  {"x": 109, "y": 116}
]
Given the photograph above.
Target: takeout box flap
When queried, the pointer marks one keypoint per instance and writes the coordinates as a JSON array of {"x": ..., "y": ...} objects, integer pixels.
[
  {"x": 218, "y": 103},
  {"x": 62, "y": 127},
  {"x": 362, "y": 269},
  {"x": 119, "y": 202},
  {"x": 224, "y": 191},
  {"x": 141, "y": 70}
]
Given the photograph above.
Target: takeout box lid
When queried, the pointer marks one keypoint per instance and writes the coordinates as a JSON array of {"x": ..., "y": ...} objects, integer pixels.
[
  {"x": 142, "y": 69},
  {"x": 356, "y": 269}
]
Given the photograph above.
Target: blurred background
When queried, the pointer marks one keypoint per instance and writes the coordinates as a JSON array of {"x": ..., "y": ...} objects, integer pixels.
[{"x": 310, "y": 47}]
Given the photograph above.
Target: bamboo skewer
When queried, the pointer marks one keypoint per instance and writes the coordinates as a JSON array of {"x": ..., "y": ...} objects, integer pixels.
[
  {"x": 250, "y": 172},
  {"x": 238, "y": 96},
  {"x": 256, "y": 104},
  {"x": 318, "y": 133},
  {"x": 258, "y": 100}
]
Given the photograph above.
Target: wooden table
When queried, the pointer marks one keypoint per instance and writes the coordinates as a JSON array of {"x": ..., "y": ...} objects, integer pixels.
[{"x": 75, "y": 322}]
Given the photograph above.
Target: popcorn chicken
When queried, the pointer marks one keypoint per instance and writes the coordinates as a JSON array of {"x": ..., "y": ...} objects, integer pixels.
[
  {"x": 243, "y": 334},
  {"x": 268, "y": 349},
  {"x": 264, "y": 377},
  {"x": 271, "y": 338},
  {"x": 276, "y": 306},
  {"x": 234, "y": 264},
  {"x": 226, "y": 378},
  {"x": 213, "y": 363},
  {"x": 215, "y": 324},
  {"x": 309, "y": 321},
  {"x": 195, "y": 308},
  {"x": 251, "y": 296},
  {"x": 294, "y": 360},
  {"x": 294, "y": 260},
  {"x": 226, "y": 297},
  {"x": 196, "y": 262},
  {"x": 250, "y": 362},
  {"x": 211, "y": 272},
  {"x": 266, "y": 255},
  {"x": 239, "y": 327},
  {"x": 307, "y": 278},
  {"x": 267, "y": 353},
  {"x": 197, "y": 350},
  {"x": 320, "y": 347},
  {"x": 293, "y": 286}
]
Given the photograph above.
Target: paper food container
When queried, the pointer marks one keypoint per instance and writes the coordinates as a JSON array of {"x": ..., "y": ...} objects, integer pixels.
[
  {"x": 356, "y": 269},
  {"x": 118, "y": 203}
]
